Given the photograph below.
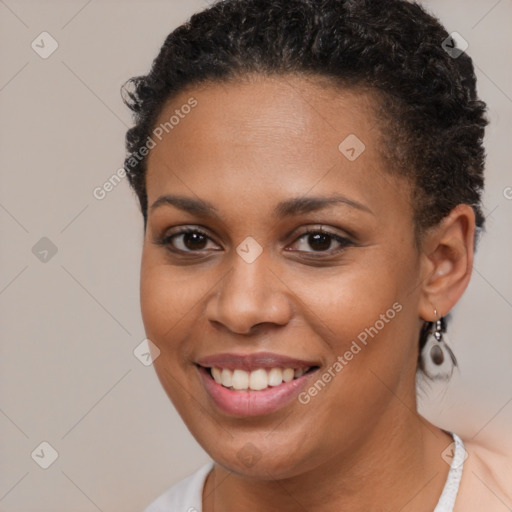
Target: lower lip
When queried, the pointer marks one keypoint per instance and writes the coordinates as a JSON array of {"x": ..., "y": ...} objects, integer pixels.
[{"x": 252, "y": 403}]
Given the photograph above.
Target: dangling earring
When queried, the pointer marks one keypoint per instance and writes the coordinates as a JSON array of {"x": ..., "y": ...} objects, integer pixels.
[{"x": 437, "y": 359}]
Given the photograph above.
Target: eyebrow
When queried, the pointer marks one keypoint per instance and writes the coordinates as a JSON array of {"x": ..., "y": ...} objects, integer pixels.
[{"x": 288, "y": 208}]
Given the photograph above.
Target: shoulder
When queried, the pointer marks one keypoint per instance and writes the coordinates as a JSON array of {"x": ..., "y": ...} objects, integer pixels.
[
  {"x": 184, "y": 496},
  {"x": 486, "y": 482}
]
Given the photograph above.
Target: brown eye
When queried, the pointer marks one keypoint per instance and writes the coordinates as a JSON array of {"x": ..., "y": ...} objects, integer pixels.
[
  {"x": 187, "y": 240},
  {"x": 194, "y": 240},
  {"x": 321, "y": 241}
]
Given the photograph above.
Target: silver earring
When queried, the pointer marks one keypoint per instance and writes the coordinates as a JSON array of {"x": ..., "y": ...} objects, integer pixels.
[{"x": 437, "y": 359}]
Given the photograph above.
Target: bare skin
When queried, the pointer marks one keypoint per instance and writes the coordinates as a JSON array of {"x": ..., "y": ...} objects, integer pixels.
[{"x": 360, "y": 444}]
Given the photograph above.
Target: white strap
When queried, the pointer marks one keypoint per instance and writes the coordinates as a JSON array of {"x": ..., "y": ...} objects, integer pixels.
[{"x": 447, "y": 500}]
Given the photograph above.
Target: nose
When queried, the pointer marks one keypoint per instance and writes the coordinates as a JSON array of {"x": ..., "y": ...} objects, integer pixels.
[{"x": 250, "y": 294}]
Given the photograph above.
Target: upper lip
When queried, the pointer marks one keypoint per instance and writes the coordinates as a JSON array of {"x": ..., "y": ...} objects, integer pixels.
[{"x": 254, "y": 361}]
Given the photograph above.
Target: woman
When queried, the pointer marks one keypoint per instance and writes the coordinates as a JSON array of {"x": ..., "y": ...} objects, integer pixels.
[{"x": 309, "y": 174}]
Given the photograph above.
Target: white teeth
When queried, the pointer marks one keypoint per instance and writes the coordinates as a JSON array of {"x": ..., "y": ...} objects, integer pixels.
[
  {"x": 257, "y": 379},
  {"x": 240, "y": 379},
  {"x": 227, "y": 377},
  {"x": 298, "y": 373},
  {"x": 288, "y": 374},
  {"x": 217, "y": 375},
  {"x": 275, "y": 377}
]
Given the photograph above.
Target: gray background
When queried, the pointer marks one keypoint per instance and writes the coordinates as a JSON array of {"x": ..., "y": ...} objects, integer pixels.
[{"x": 69, "y": 325}]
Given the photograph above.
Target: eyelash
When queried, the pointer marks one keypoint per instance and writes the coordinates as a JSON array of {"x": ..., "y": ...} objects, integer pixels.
[{"x": 344, "y": 242}]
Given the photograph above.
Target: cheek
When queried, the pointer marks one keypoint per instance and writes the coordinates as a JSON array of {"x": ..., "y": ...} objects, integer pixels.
[
  {"x": 347, "y": 300},
  {"x": 365, "y": 314},
  {"x": 166, "y": 297},
  {"x": 363, "y": 324},
  {"x": 162, "y": 307},
  {"x": 156, "y": 300},
  {"x": 172, "y": 308}
]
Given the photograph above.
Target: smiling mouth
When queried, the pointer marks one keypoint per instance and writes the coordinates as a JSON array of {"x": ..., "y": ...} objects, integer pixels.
[{"x": 256, "y": 380}]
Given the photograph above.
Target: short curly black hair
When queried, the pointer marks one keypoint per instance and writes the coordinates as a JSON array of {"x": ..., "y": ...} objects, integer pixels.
[
  {"x": 435, "y": 121},
  {"x": 432, "y": 121}
]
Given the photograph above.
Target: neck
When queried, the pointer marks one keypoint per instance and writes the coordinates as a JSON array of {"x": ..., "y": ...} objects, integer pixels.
[{"x": 399, "y": 467}]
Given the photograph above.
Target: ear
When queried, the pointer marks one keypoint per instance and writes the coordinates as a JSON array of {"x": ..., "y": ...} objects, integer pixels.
[{"x": 447, "y": 262}]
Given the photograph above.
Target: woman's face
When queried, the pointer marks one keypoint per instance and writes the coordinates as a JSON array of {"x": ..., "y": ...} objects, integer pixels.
[{"x": 253, "y": 167}]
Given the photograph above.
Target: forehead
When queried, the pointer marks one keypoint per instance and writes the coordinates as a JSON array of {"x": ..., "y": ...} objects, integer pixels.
[
  {"x": 269, "y": 137},
  {"x": 301, "y": 115}
]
